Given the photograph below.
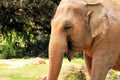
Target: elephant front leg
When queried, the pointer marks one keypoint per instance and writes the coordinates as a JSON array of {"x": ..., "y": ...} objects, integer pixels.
[{"x": 101, "y": 63}]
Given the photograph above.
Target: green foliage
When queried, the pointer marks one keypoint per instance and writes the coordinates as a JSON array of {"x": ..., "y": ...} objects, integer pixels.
[
  {"x": 78, "y": 55},
  {"x": 25, "y": 28},
  {"x": 12, "y": 44}
]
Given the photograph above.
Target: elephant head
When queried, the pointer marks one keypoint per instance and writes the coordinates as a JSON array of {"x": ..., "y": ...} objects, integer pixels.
[{"x": 74, "y": 27}]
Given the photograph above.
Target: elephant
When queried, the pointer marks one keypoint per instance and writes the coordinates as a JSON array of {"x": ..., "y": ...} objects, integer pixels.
[{"x": 89, "y": 26}]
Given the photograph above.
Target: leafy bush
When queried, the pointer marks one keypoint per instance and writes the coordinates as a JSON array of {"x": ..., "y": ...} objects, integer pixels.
[
  {"x": 12, "y": 44},
  {"x": 25, "y": 27}
]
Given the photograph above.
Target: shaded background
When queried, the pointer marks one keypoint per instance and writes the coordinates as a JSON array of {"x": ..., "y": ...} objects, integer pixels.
[{"x": 25, "y": 27}]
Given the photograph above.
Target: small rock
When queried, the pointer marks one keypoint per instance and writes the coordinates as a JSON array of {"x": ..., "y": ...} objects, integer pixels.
[{"x": 36, "y": 61}]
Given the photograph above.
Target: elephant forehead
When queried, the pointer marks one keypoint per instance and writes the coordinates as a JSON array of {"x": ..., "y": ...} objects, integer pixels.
[
  {"x": 67, "y": 19},
  {"x": 67, "y": 13},
  {"x": 61, "y": 22},
  {"x": 71, "y": 5},
  {"x": 73, "y": 1},
  {"x": 62, "y": 17}
]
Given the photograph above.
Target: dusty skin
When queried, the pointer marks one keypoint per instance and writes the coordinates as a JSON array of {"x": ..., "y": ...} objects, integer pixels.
[{"x": 91, "y": 26}]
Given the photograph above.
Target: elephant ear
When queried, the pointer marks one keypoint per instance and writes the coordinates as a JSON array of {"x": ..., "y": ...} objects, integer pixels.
[{"x": 97, "y": 19}]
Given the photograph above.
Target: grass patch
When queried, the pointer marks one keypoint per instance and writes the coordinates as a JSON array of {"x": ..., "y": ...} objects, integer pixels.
[
  {"x": 30, "y": 72},
  {"x": 24, "y": 73}
]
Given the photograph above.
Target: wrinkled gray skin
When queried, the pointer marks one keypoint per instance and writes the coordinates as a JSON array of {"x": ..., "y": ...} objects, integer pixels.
[{"x": 93, "y": 28}]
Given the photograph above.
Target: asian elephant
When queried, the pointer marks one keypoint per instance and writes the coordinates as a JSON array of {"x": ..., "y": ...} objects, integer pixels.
[{"x": 91, "y": 27}]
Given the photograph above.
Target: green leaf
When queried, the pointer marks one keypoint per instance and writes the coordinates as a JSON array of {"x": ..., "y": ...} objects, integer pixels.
[{"x": 11, "y": 20}]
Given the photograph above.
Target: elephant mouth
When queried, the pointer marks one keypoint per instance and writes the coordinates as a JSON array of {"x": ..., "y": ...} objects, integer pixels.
[
  {"x": 70, "y": 45},
  {"x": 70, "y": 51}
]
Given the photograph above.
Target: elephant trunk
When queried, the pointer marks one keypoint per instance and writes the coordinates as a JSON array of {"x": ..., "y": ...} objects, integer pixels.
[{"x": 57, "y": 48}]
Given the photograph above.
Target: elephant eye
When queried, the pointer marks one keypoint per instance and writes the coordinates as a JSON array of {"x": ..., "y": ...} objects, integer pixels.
[{"x": 67, "y": 27}]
